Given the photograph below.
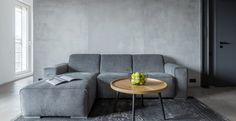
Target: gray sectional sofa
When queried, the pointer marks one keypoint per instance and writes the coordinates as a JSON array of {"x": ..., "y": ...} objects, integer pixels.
[{"x": 75, "y": 99}]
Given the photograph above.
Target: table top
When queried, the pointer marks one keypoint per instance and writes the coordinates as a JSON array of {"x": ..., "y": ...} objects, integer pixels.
[{"x": 151, "y": 86}]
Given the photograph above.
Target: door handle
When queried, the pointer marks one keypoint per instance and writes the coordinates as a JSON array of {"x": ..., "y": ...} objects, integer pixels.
[{"x": 225, "y": 43}]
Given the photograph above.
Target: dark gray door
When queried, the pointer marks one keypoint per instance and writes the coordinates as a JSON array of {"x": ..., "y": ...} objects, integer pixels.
[{"x": 225, "y": 43}]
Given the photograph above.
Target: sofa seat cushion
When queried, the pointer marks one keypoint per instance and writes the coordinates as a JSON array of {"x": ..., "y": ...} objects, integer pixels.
[
  {"x": 170, "y": 92},
  {"x": 103, "y": 82},
  {"x": 74, "y": 98}
]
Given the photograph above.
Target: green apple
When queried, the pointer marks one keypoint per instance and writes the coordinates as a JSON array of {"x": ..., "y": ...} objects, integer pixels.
[
  {"x": 132, "y": 76},
  {"x": 137, "y": 75},
  {"x": 137, "y": 81},
  {"x": 133, "y": 82},
  {"x": 137, "y": 78}
]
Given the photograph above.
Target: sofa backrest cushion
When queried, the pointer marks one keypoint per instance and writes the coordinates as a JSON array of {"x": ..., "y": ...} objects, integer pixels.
[
  {"x": 84, "y": 63},
  {"x": 121, "y": 63},
  {"x": 148, "y": 63}
]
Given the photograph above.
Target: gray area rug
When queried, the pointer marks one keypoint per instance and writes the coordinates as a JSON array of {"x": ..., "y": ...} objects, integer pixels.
[{"x": 176, "y": 110}]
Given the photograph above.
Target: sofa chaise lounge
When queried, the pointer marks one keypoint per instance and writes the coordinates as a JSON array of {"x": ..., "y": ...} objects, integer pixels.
[{"x": 75, "y": 99}]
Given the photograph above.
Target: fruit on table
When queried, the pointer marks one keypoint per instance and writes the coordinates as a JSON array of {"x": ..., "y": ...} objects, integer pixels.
[{"x": 138, "y": 78}]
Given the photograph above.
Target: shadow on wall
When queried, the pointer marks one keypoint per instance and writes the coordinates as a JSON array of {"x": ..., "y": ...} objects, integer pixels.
[
  {"x": 168, "y": 59},
  {"x": 192, "y": 74}
]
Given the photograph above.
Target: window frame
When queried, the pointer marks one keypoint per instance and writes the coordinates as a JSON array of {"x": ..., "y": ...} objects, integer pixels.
[{"x": 28, "y": 40}]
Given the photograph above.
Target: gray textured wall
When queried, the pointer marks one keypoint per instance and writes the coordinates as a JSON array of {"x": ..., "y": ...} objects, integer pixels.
[
  {"x": 7, "y": 41},
  {"x": 168, "y": 27}
]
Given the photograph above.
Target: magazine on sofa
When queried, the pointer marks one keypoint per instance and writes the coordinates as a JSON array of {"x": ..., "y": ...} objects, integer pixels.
[{"x": 61, "y": 79}]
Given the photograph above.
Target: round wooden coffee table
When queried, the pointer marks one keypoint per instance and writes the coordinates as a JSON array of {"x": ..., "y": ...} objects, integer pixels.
[{"x": 151, "y": 86}]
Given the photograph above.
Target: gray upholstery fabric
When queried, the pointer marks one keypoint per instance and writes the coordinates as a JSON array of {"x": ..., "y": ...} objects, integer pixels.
[
  {"x": 181, "y": 75},
  {"x": 170, "y": 92},
  {"x": 103, "y": 83},
  {"x": 77, "y": 97},
  {"x": 116, "y": 63},
  {"x": 69, "y": 99},
  {"x": 84, "y": 63},
  {"x": 50, "y": 72},
  {"x": 148, "y": 63}
]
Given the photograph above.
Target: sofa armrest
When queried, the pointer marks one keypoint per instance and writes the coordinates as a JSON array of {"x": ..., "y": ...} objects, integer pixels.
[
  {"x": 181, "y": 76},
  {"x": 50, "y": 72}
]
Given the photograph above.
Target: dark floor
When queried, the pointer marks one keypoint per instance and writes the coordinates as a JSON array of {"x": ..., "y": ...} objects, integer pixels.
[
  {"x": 175, "y": 110},
  {"x": 221, "y": 100}
]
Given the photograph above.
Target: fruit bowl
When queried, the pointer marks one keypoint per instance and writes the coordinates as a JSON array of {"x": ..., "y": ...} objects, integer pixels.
[{"x": 137, "y": 78}]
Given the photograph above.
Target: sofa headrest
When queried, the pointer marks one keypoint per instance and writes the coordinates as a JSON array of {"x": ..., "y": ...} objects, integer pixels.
[
  {"x": 148, "y": 63},
  {"x": 121, "y": 63},
  {"x": 84, "y": 63}
]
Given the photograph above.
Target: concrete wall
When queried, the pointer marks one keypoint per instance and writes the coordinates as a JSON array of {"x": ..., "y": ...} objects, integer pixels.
[
  {"x": 7, "y": 40},
  {"x": 168, "y": 27},
  {"x": 7, "y": 68}
]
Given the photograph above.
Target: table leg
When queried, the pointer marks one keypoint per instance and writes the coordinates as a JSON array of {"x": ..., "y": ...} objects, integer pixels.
[
  {"x": 133, "y": 107},
  {"x": 162, "y": 106},
  {"x": 117, "y": 96},
  {"x": 142, "y": 99},
  {"x": 116, "y": 101}
]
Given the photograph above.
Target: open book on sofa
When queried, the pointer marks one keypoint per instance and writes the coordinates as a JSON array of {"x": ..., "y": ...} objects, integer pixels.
[{"x": 61, "y": 79}]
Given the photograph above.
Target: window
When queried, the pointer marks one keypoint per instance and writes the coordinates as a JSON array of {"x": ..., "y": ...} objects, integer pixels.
[{"x": 22, "y": 39}]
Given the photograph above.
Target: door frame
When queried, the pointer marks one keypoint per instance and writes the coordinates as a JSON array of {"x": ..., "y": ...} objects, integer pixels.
[
  {"x": 208, "y": 43},
  {"x": 205, "y": 43},
  {"x": 208, "y": 37}
]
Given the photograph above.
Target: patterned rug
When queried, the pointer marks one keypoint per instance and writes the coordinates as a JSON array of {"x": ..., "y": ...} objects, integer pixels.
[{"x": 175, "y": 109}]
